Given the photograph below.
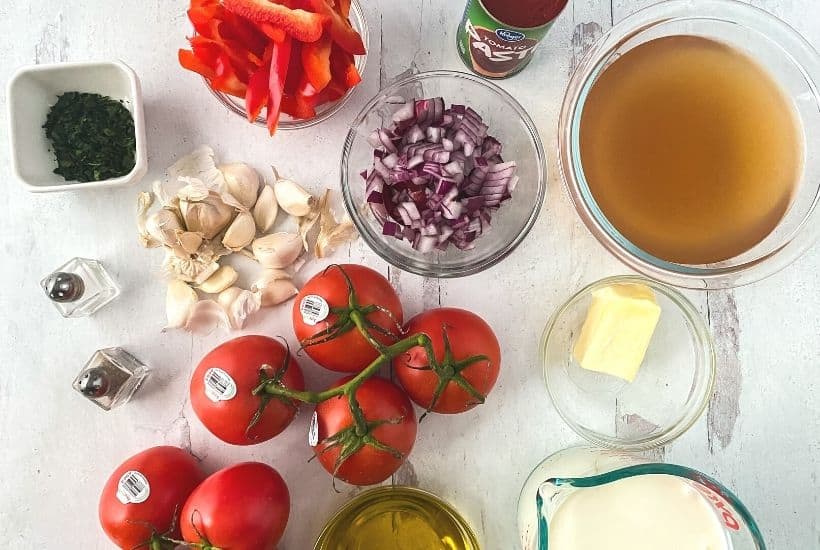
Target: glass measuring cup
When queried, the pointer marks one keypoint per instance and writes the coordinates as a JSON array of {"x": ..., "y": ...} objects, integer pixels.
[{"x": 571, "y": 471}]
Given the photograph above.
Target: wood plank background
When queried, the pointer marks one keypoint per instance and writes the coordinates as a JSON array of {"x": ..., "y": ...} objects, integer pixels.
[{"x": 761, "y": 435}]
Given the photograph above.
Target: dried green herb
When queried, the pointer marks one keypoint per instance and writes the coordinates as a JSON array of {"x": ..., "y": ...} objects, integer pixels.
[{"x": 92, "y": 137}]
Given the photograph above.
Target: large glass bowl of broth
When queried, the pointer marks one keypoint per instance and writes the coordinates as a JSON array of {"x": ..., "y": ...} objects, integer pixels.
[{"x": 688, "y": 142}]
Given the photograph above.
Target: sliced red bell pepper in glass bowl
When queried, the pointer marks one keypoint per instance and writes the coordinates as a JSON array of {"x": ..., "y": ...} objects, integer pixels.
[{"x": 235, "y": 45}]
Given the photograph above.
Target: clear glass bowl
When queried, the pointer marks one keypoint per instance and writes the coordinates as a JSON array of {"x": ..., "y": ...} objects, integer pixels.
[
  {"x": 790, "y": 60},
  {"x": 323, "y": 112},
  {"x": 508, "y": 122},
  {"x": 668, "y": 395}
]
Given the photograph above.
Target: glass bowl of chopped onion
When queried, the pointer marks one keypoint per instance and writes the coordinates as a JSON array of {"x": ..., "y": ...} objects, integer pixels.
[{"x": 443, "y": 174}]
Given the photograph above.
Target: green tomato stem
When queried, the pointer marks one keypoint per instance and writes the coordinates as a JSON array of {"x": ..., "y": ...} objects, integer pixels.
[{"x": 386, "y": 354}]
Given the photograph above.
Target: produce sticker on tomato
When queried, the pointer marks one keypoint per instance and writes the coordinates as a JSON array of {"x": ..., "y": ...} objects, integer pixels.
[
  {"x": 313, "y": 432},
  {"x": 219, "y": 386},
  {"x": 133, "y": 488},
  {"x": 314, "y": 309}
]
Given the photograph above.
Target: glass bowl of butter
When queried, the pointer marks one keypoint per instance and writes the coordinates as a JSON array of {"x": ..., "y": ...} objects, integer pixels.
[{"x": 629, "y": 363}]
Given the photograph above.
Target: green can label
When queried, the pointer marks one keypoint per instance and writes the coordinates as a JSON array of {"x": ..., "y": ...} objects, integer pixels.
[{"x": 492, "y": 49}]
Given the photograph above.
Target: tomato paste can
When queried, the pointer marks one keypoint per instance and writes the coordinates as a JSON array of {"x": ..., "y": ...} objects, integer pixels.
[{"x": 493, "y": 48}]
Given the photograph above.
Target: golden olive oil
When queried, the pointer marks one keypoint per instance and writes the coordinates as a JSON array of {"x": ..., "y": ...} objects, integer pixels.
[
  {"x": 397, "y": 518},
  {"x": 691, "y": 149}
]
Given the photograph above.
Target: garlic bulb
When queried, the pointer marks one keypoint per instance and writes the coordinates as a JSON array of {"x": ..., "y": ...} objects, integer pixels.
[
  {"x": 238, "y": 304},
  {"x": 277, "y": 250},
  {"x": 205, "y": 317},
  {"x": 224, "y": 277},
  {"x": 242, "y": 182},
  {"x": 264, "y": 213},
  {"x": 194, "y": 270},
  {"x": 274, "y": 287},
  {"x": 179, "y": 300},
  {"x": 292, "y": 197},
  {"x": 240, "y": 233},
  {"x": 208, "y": 215}
]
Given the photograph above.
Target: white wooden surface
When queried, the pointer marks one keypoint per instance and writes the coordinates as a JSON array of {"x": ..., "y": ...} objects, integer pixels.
[{"x": 761, "y": 435}]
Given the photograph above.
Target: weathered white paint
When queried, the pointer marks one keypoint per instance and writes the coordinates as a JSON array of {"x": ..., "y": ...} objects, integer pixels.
[{"x": 761, "y": 436}]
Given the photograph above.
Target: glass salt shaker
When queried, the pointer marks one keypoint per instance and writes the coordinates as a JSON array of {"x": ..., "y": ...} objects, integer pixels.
[
  {"x": 80, "y": 287},
  {"x": 111, "y": 377}
]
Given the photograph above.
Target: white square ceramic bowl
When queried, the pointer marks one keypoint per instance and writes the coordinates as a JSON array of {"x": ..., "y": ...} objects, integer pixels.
[{"x": 31, "y": 93}]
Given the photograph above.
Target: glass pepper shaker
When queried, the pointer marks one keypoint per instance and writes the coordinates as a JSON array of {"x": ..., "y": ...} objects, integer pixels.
[
  {"x": 80, "y": 287},
  {"x": 111, "y": 377}
]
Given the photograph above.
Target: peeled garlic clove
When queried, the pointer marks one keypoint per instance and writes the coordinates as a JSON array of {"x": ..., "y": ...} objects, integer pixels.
[
  {"x": 240, "y": 233},
  {"x": 242, "y": 182},
  {"x": 274, "y": 287},
  {"x": 224, "y": 277},
  {"x": 206, "y": 316},
  {"x": 277, "y": 250},
  {"x": 264, "y": 213},
  {"x": 238, "y": 304},
  {"x": 293, "y": 198},
  {"x": 179, "y": 301}
]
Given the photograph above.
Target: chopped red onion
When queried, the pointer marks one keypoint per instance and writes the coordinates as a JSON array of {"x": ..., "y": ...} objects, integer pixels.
[{"x": 437, "y": 176}]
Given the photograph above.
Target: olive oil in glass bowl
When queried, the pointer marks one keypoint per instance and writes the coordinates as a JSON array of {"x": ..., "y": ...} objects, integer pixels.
[{"x": 397, "y": 518}]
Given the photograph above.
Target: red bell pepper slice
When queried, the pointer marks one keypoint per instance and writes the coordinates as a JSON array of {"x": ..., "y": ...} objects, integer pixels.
[
  {"x": 316, "y": 61},
  {"x": 343, "y": 7},
  {"x": 298, "y": 23},
  {"x": 241, "y": 31},
  {"x": 340, "y": 29},
  {"x": 190, "y": 61},
  {"x": 257, "y": 95},
  {"x": 271, "y": 31},
  {"x": 243, "y": 61},
  {"x": 280, "y": 59},
  {"x": 343, "y": 68},
  {"x": 226, "y": 79}
]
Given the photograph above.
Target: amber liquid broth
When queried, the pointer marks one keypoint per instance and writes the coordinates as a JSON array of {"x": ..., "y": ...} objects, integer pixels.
[{"x": 691, "y": 149}]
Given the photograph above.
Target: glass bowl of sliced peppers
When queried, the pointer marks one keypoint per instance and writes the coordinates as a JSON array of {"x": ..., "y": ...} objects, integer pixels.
[{"x": 286, "y": 64}]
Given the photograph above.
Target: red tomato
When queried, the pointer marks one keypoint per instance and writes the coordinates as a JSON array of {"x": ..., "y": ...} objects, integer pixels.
[
  {"x": 349, "y": 351},
  {"x": 243, "y": 507},
  {"x": 145, "y": 493},
  {"x": 222, "y": 389},
  {"x": 468, "y": 335},
  {"x": 380, "y": 401}
]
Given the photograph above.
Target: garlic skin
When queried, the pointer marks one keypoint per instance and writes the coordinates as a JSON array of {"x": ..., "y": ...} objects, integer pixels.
[
  {"x": 240, "y": 233},
  {"x": 163, "y": 226},
  {"x": 292, "y": 197},
  {"x": 266, "y": 209},
  {"x": 179, "y": 301},
  {"x": 332, "y": 234},
  {"x": 199, "y": 164},
  {"x": 238, "y": 304},
  {"x": 205, "y": 317},
  {"x": 224, "y": 277},
  {"x": 189, "y": 241},
  {"x": 241, "y": 182},
  {"x": 277, "y": 250},
  {"x": 275, "y": 287}
]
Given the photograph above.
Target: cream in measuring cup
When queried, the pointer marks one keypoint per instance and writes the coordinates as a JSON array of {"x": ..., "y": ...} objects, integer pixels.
[
  {"x": 586, "y": 498},
  {"x": 637, "y": 513}
]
